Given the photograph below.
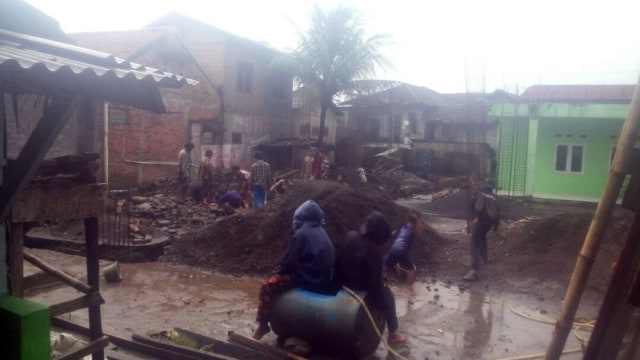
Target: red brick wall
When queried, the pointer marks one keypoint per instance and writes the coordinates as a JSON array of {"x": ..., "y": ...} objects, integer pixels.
[{"x": 155, "y": 138}]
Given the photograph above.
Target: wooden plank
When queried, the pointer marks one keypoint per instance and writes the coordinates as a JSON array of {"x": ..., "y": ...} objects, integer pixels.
[
  {"x": 254, "y": 344},
  {"x": 92, "y": 347},
  {"x": 16, "y": 259},
  {"x": 195, "y": 353},
  {"x": 44, "y": 266},
  {"x": 119, "y": 339},
  {"x": 59, "y": 203},
  {"x": 82, "y": 302},
  {"x": 93, "y": 278},
  {"x": 222, "y": 347},
  {"x": 17, "y": 177}
]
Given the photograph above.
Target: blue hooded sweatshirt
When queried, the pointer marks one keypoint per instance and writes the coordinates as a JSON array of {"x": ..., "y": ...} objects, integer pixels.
[{"x": 310, "y": 256}]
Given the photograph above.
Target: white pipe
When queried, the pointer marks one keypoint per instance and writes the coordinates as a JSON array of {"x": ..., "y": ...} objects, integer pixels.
[{"x": 105, "y": 111}]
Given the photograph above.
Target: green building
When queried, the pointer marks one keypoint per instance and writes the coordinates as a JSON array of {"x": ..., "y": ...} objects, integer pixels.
[{"x": 559, "y": 140}]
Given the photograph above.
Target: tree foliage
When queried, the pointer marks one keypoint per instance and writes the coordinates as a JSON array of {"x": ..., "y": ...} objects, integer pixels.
[{"x": 334, "y": 53}]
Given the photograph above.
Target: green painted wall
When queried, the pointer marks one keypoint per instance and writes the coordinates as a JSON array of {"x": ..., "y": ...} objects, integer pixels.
[
  {"x": 594, "y": 126},
  {"x": 597, "y": 136}
]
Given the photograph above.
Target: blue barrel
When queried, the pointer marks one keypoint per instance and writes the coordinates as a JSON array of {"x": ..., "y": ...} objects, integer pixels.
[{"x": 337, "y": 324}]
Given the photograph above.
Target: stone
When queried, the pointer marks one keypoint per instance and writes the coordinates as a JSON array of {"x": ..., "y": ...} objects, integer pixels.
[{"x": 139, "y": 199}]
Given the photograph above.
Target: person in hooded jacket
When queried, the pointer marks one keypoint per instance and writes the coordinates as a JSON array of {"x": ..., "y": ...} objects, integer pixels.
[
  {"x": 307, "y": 263},
  {"x": 360, "y": 264}
]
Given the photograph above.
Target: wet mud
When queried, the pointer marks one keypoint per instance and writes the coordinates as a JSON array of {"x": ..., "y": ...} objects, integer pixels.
[{"x": 442, "y": 320}]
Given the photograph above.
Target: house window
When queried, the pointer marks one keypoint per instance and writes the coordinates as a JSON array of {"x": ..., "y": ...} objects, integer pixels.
[
  {"x": 236, "y": 138},
  {"x": 244, "y": 77},
  {"x": 569, "y": 158},
  {"x": 118, "y": 115}
]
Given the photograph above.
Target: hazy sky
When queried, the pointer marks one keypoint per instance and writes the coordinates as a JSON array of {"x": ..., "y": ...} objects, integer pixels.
[{"x": 446, "y": 45}]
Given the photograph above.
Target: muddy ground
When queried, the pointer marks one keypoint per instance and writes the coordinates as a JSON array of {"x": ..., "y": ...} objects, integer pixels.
[
  {"x": 207, "y": 280},
  {"x": 535, "y": 240}
]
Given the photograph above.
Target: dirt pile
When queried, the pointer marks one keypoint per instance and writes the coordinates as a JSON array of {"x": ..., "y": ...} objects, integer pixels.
[
  {"x": 253, "y": 243},
  {"x": 547, "y": 248}
]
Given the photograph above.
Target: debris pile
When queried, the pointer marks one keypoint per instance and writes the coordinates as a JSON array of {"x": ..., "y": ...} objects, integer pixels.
[{"x": 252, "y": 243}]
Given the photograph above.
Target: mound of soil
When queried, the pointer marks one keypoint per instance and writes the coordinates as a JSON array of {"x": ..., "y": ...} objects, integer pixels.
[
  {"x": 253, "y": 243},
  {"x": 547, "y": 248}
]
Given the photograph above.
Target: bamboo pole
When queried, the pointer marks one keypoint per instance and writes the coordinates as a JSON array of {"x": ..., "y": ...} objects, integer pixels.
[{"x": 592, "y": 241}]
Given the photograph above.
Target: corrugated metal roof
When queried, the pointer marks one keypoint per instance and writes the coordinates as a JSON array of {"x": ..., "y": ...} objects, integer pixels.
[
  {"x": 63, "y": 67},
  {"x": 403, "y": 94},
  {"x": 112, "y": 41},
  {"x": 580, "y": 93}
]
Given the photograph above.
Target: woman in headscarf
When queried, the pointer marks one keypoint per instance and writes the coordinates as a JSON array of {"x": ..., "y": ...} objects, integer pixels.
[{"x": 307, "y": 263}]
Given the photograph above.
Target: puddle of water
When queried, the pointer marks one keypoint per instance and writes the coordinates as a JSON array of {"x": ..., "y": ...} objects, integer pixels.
[{"x": 441, "y": 320}]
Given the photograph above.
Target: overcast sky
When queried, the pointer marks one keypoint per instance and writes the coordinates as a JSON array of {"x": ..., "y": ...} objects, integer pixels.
[{"x": 446, "y": 45}]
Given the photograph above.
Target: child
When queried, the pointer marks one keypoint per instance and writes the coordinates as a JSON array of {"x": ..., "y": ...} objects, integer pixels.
[{"x": 399, "y": 253}]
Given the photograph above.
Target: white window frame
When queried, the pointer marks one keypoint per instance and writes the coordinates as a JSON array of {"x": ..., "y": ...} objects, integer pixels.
[{"x": 567, "y": 169}]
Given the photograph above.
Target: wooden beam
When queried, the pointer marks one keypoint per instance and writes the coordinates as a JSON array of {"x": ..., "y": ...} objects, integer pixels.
[
  {"x": 18, "y": 175},
  {"x": 93, "y": 278},
  {"x": 82, "y": 302},
  {"x": 257, "y": 345},
  {"x": 94, "y": 346},
  {"x": 59, "y": 203},
  {"x": 16, "y": 272},
  {"x": 119, "y": 339},
  {"x": 44, "y": 266},
  {"x": 183, "y": 350}
]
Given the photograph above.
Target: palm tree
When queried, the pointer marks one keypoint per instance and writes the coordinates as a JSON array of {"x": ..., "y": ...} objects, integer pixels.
[{"x": 333, "y": 54}]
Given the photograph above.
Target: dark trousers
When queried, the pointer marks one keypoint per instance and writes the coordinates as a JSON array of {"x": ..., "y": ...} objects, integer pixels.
[
  {"x": 479, "y": 244},
  {"x": 384, "y": 301}
]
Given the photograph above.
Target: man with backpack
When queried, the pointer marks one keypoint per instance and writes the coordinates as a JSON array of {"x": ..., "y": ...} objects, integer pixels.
[{"x": 485, "y": 214}]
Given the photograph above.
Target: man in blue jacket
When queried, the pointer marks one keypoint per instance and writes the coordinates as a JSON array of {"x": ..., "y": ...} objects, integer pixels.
[{"x": 307, "y": 263}]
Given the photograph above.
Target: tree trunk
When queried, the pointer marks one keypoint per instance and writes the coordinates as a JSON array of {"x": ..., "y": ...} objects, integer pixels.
[{"x": 323, "y": 117}]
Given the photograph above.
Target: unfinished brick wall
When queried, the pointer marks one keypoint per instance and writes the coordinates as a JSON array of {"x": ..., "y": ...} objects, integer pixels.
[
  {"x": 77, "y": 135},
  {"x": 146, "y": 147}
]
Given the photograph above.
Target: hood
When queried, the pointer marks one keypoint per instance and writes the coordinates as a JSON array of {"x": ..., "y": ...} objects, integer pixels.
[
  {"x": 308, "y": 212},
  {"x": 377, "y": 228}
]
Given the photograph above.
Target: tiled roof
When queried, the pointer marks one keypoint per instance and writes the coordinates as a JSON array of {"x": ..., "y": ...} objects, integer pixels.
[
  {"x": 580, "y": 93},
  {"x": 52, "y": 65}
]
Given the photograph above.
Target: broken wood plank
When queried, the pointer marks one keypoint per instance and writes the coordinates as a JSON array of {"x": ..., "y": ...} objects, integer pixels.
[
  {"x": 254, "y": 344},
  {"x": 82, "y": 302},
  {"x": 229, "y": 349},
  {"x": 16, "y": 271},
  {"x": 119, "y": 339},
  {"x": 96, "y": 345},
  {"x": 44, "y": 266},
  {"x": 195, "y": 353}
]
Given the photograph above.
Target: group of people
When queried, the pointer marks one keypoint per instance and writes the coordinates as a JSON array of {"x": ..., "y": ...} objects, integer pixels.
[
  {"x": 316, "y": 165},
  {"x": 311, "y": 262},
  {"x": 253, "y": 185}
]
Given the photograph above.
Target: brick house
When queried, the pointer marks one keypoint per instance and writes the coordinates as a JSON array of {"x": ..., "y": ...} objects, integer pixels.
[{"x": 240, "y": 100}]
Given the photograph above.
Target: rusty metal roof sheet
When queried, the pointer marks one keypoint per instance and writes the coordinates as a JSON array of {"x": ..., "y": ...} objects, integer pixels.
[
  {"x": 580, "y": 93},
  {"x": 53, "y": 66}
]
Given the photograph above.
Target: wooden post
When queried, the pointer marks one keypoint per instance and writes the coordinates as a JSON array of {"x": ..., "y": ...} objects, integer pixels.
[
  {"x": 19, "y": 173},
  {"x": 15, "y": 259},
  {"x": 592, "y": 241},
  {"x": 615, "y": 312},
  {"x": 93, "y": 278}
]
